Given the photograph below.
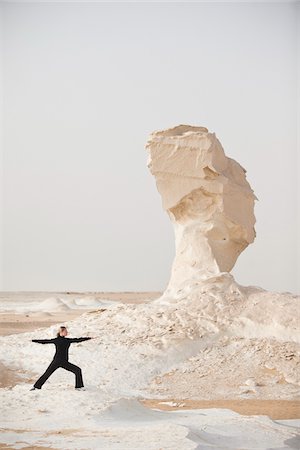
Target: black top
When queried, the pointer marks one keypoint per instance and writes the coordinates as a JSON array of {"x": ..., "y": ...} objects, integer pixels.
[{"x": 62, "y": 345}]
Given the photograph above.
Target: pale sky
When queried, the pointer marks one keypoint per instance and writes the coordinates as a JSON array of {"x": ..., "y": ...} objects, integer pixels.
[{"x": 82, "y": 85}]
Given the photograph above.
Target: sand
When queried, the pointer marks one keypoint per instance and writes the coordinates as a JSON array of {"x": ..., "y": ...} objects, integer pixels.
[
  {"x": 11, "y": 323},
  {"x": 142, "y": 379},
  {"x": 275, "y": 409},
  {"x": 7, "y": 447}
]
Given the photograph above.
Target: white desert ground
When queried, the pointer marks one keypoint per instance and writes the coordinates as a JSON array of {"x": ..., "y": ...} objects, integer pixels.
[
  {"x": 158, "y": 376},
  {"x": 206, "y": 364}
]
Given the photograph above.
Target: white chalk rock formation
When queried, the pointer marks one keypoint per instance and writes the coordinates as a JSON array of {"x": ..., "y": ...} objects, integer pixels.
[{"x": 208, "y": 200}]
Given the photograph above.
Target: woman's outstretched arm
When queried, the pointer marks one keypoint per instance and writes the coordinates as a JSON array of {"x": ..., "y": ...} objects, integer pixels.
[
  {"x": 43, "y": 341},
  {"x": 81, "y": 339}
]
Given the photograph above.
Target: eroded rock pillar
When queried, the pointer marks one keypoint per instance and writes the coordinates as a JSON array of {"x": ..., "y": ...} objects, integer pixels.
[{"x": 207, "y": 198}]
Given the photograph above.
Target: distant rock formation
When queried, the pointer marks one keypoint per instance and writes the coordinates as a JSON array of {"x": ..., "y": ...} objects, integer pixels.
[{"x": 208, "y": 200}]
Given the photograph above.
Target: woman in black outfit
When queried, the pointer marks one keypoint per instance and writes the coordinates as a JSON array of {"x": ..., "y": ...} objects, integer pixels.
[{"x": 61, "y": 357}]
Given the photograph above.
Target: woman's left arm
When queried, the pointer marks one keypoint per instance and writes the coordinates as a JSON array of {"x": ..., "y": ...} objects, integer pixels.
[{"x": 81, "y": 339}]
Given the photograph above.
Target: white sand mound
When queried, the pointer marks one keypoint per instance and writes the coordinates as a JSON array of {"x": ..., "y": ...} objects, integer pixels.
[
  {"x": 92, "y": 421},
  {"x": 89, "y": 302},
  {"x": 52, "y": 304},
  {"x": 55, "y": 304},
  {"x": 131, "y": 410},
  {"x": 215, "y": 340}
]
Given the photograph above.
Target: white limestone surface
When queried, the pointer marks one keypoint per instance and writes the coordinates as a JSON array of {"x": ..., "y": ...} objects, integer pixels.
[
  {"x": 208, "y": 199},
  {"x": 135, "y": 344}
]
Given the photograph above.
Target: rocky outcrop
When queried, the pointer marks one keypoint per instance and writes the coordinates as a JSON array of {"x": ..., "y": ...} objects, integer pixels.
[{"x": 208, "y": 199}]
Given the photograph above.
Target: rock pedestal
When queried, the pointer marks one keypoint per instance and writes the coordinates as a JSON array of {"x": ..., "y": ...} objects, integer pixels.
[{"x": 208, "y": 199}]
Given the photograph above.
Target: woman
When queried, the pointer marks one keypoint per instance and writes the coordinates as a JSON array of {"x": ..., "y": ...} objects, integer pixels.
[{"x": 61, "y": 358}]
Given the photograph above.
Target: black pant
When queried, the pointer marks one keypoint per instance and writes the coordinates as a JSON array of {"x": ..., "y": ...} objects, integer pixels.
[{"x": 65, "y": 365}]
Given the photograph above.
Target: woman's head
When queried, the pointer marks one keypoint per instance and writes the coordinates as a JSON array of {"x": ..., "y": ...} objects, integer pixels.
[{"x": 62, "y": 331}]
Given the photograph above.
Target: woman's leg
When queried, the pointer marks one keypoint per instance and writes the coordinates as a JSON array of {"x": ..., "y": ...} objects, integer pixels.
[
  {"x": 75, "y": 369},
  {"x": 50, "y": 369}
]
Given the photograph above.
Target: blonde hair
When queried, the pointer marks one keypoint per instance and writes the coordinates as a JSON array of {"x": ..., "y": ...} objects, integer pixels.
[{"x": 59, "y": 330}]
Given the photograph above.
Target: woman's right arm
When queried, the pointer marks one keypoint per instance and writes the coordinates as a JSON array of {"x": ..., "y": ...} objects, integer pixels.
[{"x": 43, "y": 341}]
